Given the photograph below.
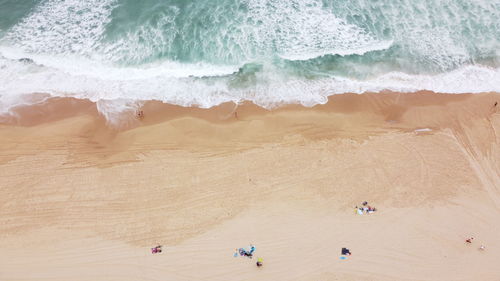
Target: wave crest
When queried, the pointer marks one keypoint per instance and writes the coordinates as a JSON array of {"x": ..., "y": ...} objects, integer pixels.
[{"x": 384, "y": 45}]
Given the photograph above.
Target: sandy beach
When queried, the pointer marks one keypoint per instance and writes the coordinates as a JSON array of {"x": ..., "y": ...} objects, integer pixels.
[{"x": 83, "y": 200}]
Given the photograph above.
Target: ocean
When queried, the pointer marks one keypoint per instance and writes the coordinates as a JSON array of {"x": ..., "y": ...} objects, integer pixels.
[{"x": 271, "y": 52}]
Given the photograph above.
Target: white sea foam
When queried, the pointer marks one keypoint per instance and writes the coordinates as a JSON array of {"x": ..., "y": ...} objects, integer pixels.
[
  {"x": 72, "y": 58},
  {"x": 384, "y": 45},
  {"x": 119, "y": 112},
  {"x": 76, "y": 65},
  {"x": 145, "y": 40},
  {"x": 441, "y": 35},
  {"x": 115, "y": 95},
  {"x": 293, "y": 29},
  {"x": 302, "y": 30},
  {"x": 62, "y": 26}
]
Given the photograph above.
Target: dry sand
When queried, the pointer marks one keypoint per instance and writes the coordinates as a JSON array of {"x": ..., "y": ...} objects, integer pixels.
[{"x": 82, "y": 201}]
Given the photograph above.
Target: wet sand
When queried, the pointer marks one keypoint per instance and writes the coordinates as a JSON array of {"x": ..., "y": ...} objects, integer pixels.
[{"x": 83, "y": 200}]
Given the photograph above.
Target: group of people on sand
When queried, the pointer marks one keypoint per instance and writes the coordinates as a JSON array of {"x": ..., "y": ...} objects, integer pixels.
[
  {"x": 248, "y": 253},
  {"x": 365, "y": 208},
  {"x": 241, "y": 251},
  {"x": 469, "y": 241}
]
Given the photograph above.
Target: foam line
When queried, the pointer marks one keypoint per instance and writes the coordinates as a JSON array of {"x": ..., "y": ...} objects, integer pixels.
[{"x": 341, "y": 52}]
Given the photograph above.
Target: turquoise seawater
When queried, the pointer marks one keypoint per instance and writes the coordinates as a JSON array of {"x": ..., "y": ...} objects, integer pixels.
[{"x": 193, "y": 52}]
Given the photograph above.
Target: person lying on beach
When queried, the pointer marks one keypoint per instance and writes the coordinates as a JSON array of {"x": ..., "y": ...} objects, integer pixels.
[
  {"x": 469, "y": 240},
  {"x": 252, "y": 249},
  {"x": 156, "y": 249}
]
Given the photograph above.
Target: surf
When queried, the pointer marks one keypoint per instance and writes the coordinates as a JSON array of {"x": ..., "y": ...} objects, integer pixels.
[{"x": 269, "y": 52}]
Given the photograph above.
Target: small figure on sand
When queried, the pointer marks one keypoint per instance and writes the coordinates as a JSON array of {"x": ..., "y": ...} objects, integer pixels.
[
  {"x": 156, "y": 250},
  {"x": 140, "y": 114},
  {"x": 494, "y": 108},
  {"x": 259, "y": 262},
  {"x": 469, "y": 240},
  {"x": 482, "y": 248},
  {"x": 345, "y": 252}
]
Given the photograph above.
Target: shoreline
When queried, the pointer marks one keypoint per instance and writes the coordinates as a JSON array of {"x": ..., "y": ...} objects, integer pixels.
[
  {"x": 89, "y": 200},
  {"x": 46, "y": 108}
]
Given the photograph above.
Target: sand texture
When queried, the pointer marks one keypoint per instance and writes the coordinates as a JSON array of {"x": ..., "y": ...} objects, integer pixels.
[{"x": 83, "y": 200}]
